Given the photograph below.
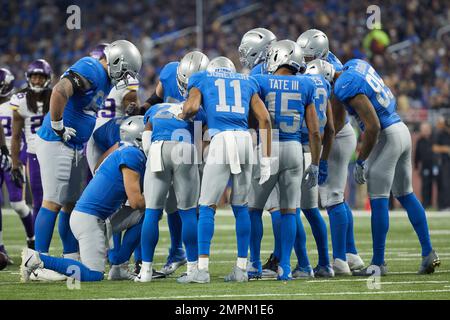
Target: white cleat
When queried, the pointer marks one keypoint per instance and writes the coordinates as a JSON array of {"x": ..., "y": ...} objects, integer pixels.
[
  {"x": 42, "y": 274},
  {"x": 195, "y": 276},
  {"x": 30, "y": 262},
  {"x": 341, "y": 268},
  {"x": 120, "y": 272},
  {"x": 354, "y": 261},
  {"x": 144, "y": 276}
]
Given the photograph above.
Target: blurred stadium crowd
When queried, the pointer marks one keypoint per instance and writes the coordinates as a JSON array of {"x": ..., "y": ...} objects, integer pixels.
[{"x": 409, "y": 48}]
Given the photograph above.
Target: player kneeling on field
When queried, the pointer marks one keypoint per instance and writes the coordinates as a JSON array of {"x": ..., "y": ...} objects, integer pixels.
[{"x": 119, "y": 177}]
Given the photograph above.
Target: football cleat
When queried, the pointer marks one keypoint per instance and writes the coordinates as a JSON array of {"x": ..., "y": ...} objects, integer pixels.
[
  {"x": 46, "y": 275},
  {"x": 174, "y": 262},
  {"x": 270, "y": 268},
  {"x": 284, "y": 273},
  {"x": 144, "y": 276},
  {"x": 354, "y": 261},
  {"x": 323, "y": 272},
  {"x": 9, "y": 260},
  {"x": 341, "y": 268},
  {"x": 30, "y": 262},
  {"x": 429, "y": 263},
  {"x": 254, "y": 270},
  {"x": 196, "y": 276},
  {"x": 302, "y": 273},
  {"x": 120, "y": 272},
  {"x": 237, "y": 275},
  {"x": 372, "y": 270}
]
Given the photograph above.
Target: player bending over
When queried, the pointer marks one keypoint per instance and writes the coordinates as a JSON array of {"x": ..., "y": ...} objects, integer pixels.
[{"x": 384, "y": 160}]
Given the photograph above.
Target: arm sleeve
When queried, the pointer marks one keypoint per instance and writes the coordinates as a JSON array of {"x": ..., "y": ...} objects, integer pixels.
[{"x": 83, "y": 74}]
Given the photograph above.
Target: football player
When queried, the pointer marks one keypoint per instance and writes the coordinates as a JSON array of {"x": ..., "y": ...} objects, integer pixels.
[
  {"x": 384, "y": 160},
  {"x": 315, "y": 46},
  {"x": 30, "y": 105},
  {"x": 171, "y": 88},
  {"x": 173, "y": 162},
  {"x": 252, "y": 55},
  {"x": 16, "y": 193},
  {"x": 230, "y": 97},
  {"x": 67, "y": 127},
  {"x": 282, "y": 87},
  {"x": 117, "y": 179}
]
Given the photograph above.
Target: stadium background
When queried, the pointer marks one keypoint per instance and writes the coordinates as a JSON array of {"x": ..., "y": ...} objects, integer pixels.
[{"x": 410, "y": 49}]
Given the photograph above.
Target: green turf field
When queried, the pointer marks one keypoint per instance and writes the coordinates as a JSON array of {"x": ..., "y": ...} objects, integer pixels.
[{"x": 403, "y": 258}]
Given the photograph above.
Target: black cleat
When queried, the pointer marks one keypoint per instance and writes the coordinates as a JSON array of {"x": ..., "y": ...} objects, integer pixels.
[
  {"x": 429, "y": 263},
  {"x": 158, "y": 275},
  {"x": 372, "y": 270},
  {"x": 137, "y": 267},
  {"x": 270, "y": 268}
]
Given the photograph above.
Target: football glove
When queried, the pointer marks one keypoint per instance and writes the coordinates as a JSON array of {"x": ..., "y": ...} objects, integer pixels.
[
  {"x": 5, "y": 159},
  {"x": 264, "y": 168},
  {"x": 65, "y": 133},
  {"x": 17, "y": 177},
  {"x": 359, "y": 172},
  {"x": 311, "y": 176},
  {"x": 132, "y": 109},
  {"x": 323, "y": 171}
]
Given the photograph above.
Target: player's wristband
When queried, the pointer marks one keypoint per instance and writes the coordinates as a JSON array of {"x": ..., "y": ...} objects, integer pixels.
[
  {"x": 57, "y": 125},
  {"x": 154, "y": 99}
]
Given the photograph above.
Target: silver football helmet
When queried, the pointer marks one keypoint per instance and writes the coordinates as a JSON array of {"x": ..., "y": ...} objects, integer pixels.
[
  {"x": 285, "y": 53},
  {"x": 321, "y": 67},
  {"x": 123, "y": 60},
  {"x": 192, "y": 62},
  {"x": 131, "y": 130},
  {"x": 221, "y": 64},
  {"x": 254, "y": 46},
  {"x": 314, "y": 44}
]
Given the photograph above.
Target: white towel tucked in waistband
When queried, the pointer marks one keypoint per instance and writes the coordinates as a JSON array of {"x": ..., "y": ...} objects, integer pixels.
[
  {"x": 232, "y": 151},
  {"x": 156, "y": 163}
]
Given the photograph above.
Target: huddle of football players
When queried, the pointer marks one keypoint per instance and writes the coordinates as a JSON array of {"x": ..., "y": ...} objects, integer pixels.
[{"x": 280, "y": 137}]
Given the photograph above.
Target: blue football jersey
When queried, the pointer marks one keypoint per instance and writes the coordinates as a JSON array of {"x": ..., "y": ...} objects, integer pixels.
[
  {"x": 359, "y": 77},
  {"x": 258, "y": 69},
  {"x": 168, "y": 79},
  {"x": 226, "y": 99},
  {"x": 81, "y": 108},
  {"x": 286, "y": 98},
  {"x": 108, "y": 134},
  {"x": 337, "y": 64},
  {"x": 105, "y": 193},
  {"x": 166, "y": 127},
  {"x": 323, "y": 93}
]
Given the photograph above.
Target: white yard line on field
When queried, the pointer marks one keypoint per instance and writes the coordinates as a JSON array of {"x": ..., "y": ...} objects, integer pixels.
[{"x": 349, "y": 293}]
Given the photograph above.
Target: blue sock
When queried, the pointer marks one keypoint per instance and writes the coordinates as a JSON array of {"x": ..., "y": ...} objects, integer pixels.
[
  {"x": 205, "y": 229},
  {"x": 138, "y": 253},
  {"x": 288, "y": 228},
  {"x": 130, "y": 241},
  {"x": 338, "y": 227},
  {"x": 319, "y": 231},
  {"x": 189, "y": 233},
  {"x": 112, "y": 253},
  {"x": 71, "y": 268},
  {"x": 243, "y": 229},
  {"x": 417, "y": 217},
  {"x": 43, "y": 229},
  {"x": 256, "y": 234},
  {"x": 70, "y": 244},
  {"x": 150, "y": 233},
  {"x": 350, "y": 242},
  {"x": 300, "y": 242},
  {"x": 175, "y": 230},
  {"x": 276, "y": 228},
  {"x": 380, "y": 226}
]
